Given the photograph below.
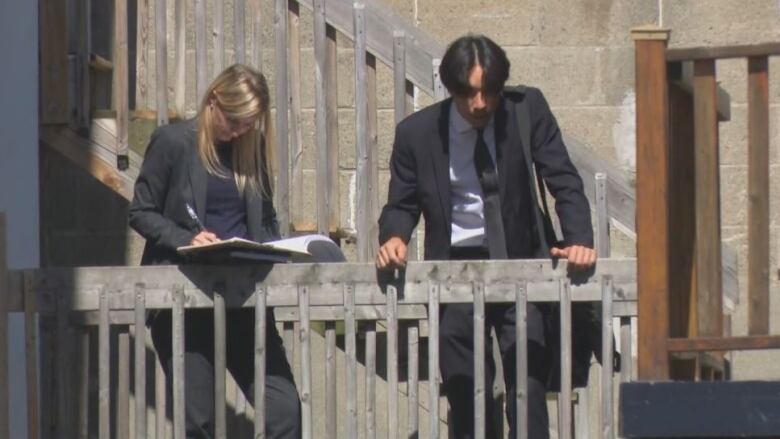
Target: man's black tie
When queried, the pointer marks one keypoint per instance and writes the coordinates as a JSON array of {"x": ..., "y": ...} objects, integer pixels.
[{"x": 488, "y": 179}]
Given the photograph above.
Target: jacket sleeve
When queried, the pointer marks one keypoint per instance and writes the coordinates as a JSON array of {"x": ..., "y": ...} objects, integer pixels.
[
  {"x": 562, "y": 179},
  {"x": 149, "y": 195},
  {"x": 402, "y": 211}
]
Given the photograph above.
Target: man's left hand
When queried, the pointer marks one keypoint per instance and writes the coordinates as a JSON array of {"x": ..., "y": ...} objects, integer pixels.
[{"x": 579, "y": 257}]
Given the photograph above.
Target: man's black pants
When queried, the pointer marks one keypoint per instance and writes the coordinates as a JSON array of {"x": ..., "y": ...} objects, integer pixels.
[
  {"x": 282, "y": 406},
  {"x": 456, "y": 338}
]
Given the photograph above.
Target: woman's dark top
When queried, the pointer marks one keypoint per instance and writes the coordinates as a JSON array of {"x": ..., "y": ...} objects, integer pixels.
[{"x": 225, "y": 208}]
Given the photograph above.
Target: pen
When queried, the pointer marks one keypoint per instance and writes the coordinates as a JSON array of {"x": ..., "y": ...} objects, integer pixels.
[{"x": 194, "y": 217}]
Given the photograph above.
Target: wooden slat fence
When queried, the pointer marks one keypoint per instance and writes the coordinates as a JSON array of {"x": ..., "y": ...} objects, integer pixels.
[{"x": 116, "y": 299}]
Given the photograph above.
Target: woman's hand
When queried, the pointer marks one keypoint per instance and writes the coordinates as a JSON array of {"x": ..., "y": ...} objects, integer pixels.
[{"x": 204, "y": 237}]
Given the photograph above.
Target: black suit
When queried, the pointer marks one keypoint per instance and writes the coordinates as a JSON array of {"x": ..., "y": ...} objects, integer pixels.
[
  {"x": 420, "y": 184},
  {"x": 171, "y": 177}
]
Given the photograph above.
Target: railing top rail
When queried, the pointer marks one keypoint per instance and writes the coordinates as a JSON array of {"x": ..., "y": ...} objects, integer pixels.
[
  {"x": 325, "y": 282},
  {"x": 723, "y": 52}
]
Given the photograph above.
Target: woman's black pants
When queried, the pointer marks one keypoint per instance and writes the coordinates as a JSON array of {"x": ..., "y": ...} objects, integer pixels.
[{"x": 282, "y": 406}]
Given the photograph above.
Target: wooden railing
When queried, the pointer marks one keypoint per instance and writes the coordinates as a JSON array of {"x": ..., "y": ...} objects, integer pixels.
[
  {"x": 70, "y": 301},
  {"x": 679, "y": 247}
]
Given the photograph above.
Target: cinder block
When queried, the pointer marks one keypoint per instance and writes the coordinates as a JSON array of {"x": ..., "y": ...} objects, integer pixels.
[
  {"x": 404, "y": 8},
  {"x": 732, "y": 76},
  {"x": 593, "y": 125},
  {"x": 594, "y": 23},
  {"x": 720, "y": 22},
  {"x": 734, "y": 136},
  {"x": 508, "y": 22},
  {"x": 566, "y": 75},
  {"x": 733, "y": 195},
  {"x": 616, "y": 75},
  {"x": 346, "y": 143}
]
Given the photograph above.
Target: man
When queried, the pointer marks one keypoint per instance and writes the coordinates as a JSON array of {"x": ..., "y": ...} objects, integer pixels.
[{"x": 460, "y": 163}]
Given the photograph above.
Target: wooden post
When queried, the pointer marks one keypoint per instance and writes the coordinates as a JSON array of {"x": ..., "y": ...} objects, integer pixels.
[
  {"x": 370, "y": 386},
  {"x": 121, "y": 84},
  {"x": 372, "y": 159},
  {"x": 218, "y": 36},
  {"x": 257, "y": 33},
  {"x": 320, "y": 118},
  {"x": 161, "y": 59},
  {"x": 331, "y": 422},
  {"x": 296, "y": 142},
  {"x": 708, "y": 254},
  {"x": 239, "y": 34},
  {"x": 140, "y": 361},
  {"x": 260, "y": 342},
  {"x": 177, "y": 329},
  {"x": 141, "y": 54},
  {"x": 564, "y": 397},
  {"x": 433, "y": 359},
  {"x": 362, "y": 170},
  {"x": 122, "y": 395},
  {"x": 180, "y": 72},
  {"x": 331, "y": 114},
  {"x": 392, "y": 361},
  {"x": 220, "y": 361},
  {"x": 104, "y": 368},
  {"x": 758, "y": 196},
  {"x": 607, "y": 415},
  {"x": 282, "y": 133},
  {"x": 4, "y": 290},
  {"x": 478, "y": 291},
  {"x": 652, "y": 211},
  {"x": 201, "y": 62},
  {"x": 412, "y": 379},
  {"x": 306, "y": 384},
  {"x": 83, "y": 89},
  {"x": 521, "y": 362},
  {"x": 350, "y": 343}
]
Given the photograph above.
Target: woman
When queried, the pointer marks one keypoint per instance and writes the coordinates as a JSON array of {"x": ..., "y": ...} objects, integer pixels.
[{"x": 204, "y": 180}]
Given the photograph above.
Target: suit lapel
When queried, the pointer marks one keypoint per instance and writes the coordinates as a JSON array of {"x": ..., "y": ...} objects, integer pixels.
[
  {"x": 504, "y": 124},
  {"x": 198, "y": 182},
  {"x": 440, "y": 155}
]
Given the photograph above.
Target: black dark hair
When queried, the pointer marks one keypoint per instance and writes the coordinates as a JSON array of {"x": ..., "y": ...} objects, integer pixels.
[{"x": 466, "y": 52}]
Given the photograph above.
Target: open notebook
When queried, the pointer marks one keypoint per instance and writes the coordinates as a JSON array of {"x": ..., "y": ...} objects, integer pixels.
[{"x": 306, "y": 248}]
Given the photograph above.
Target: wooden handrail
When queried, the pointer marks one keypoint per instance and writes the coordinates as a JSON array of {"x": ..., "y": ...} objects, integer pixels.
[{"x": 723, "y": 52}]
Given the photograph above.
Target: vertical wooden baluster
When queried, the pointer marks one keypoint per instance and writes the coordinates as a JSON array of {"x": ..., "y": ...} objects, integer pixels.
[
  {"x": 433, "y": 359},
  {"x": 104, "y": 368},
  {"x": 201, "y": 62},
  {"x": 239, "y": 33},
  {"x": 282, "y": 129},
  {"x": 412, "y": 379},
  {"x": 758, "y": 196},
  {"x": 708, "y": 259},
  {"x": 402, "y": 105},
  {"x": 220, "y": 361},
  {"x": 564, "y": 398},
  {"x": 84, "y": 31},
  {"x": 652, "y": 208},
  {"x": 177, "y": 328},
  {"x": 331, "y": 114},
  {"x": 331, "y": 398},
  {"x": 351, "y": 352},
  {"x": 161, "y": 60},
  {"x": 607, "y": 413},
  {"x": 306, "y": 389},
  {"x": 362, "y": 157},
  {"x": 260, "y": 351},
  {"x": 392, "y": 361},
  {"x": 478, "y": 290},
  {"x": 256, "y": 9},
  {"x": 296, "y": 142},
  {"x": 521, "y": 359},
  {"x": 140, "y": 361},
  {"x": 180, "y": 68},
  {"x": 439, "y": 91},
  {"x": 370, "y": 400},
  {"x": 320, "y": 118},
  {"x": 121, "y": 84},
  {"x": 218, "y": 36},
  {"x": 83, "y": 383}
]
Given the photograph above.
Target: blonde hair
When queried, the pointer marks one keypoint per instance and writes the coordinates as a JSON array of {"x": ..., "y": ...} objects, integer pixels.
[{"x": 241, "y": 93}]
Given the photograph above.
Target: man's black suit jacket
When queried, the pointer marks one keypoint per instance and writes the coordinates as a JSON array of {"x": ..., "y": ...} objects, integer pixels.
[
  {"x": 172, "y": 176},
  {"x": 420, "y": 182}
]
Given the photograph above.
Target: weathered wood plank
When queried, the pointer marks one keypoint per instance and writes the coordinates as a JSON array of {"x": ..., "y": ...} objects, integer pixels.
[
  {"x": 297, "y": 213},
  {"x": 723, "y": 52},
  {"x": 707, "y": 177},
  {"x": 703, "y": 344},
  {"x": 83, "y": 89},
  {"x": 239, "y": 31},
  {"x": 370, "y": 386},
  {"x": 307, "y": 409},
  {"x": 256, "y": 9},
  {"x": 121, "y": 84},
  {"x": 82, "y": 431},
  {"x": 161, "y": 60},
  {"x": 331, "y": 398},
  {"x": 320, "y": 118},
  {"x": 607, "y": 410},
  {"x": 31, "y": 356},
  {"x": 141, "y": 54},
  {"x": 602, "y": 216},
  {"x": 433, "y": 358},
  {"x": 260, "y": 351},
  {"x": 201, "y": 61},
  {"x": 479, "y": 360},
  {"x": 758, "y": 196},
  {"x": 282, "y": 129},
  {"x": 63, "y": 358},
  {"x": 180, "y": 73},
  {"x": 364, "y": 205},
  {"x": 104, "y": 368},
  {"x": 412, "y": 379},
  {"x": 652, "y": 210},
  {"x": 218, "y": 36},
  {"x": 351, "y": 354},
  {"x": 626, "y": 345},
  {"x": 177, "y": 328},
  {"x": 372, "y": 159},
  {"x": 439, "y": 91},
  {"x": 564, "y": 397},
  {"x": 220, "y": 363},
  {"x": 392, "y": 361},
  {"x": 54, "y": 62},
  {"x": 521, "y": 356},
  {"x": 122, "y": 395},
  {"x": 331, "y": 115},
  {"x": 139, "y": 359},
  {"x": 4, "y": 384}
]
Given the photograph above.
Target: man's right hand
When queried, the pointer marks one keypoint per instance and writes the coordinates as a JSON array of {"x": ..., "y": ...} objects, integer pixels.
[
  {"x": 204, "y": 237},
  {"x": 392, "y": 254}
]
